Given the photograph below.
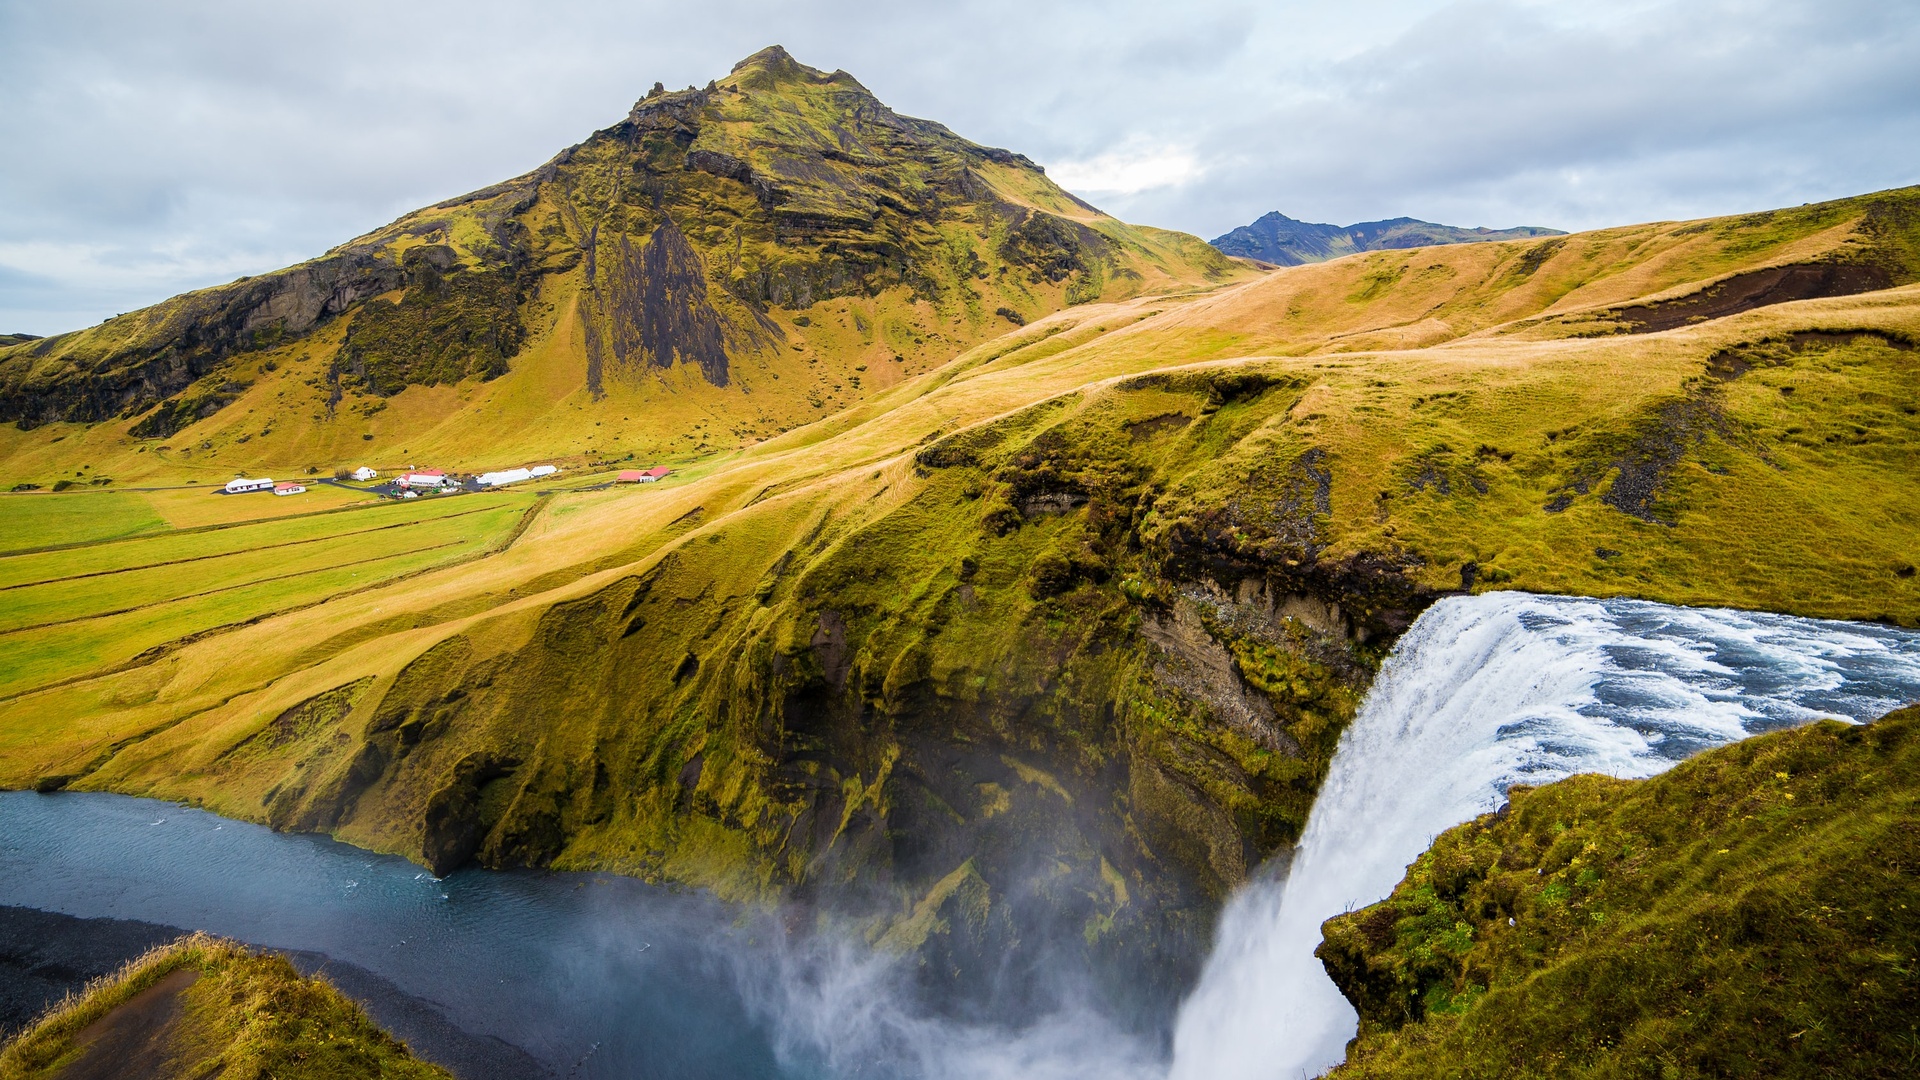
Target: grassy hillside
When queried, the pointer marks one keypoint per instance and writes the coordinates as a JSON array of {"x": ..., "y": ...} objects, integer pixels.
[
  {"x": 1053, "y": 641},
  {"x": 1753, "y": 912},
  {"x": 722, "y": 265},
  {"x": 78, "y": 607},
  {"x": 205, "y": 1007}
]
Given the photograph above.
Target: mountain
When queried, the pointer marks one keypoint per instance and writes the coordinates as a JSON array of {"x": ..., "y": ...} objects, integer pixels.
[
  {"x": 721, "y": 265},
  {"x": 1752, "y": 912},
  {"x": 1025, "y": 658},
  {"x": 1281, "y": 241}
]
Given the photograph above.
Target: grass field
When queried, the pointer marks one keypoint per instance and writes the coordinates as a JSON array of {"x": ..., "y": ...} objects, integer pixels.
[
  {"x": 94, "y": 601},
  {"x": 35, "y": 521}
]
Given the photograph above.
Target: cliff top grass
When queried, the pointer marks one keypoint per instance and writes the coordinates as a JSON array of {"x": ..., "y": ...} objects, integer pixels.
[
  {"x": 203, "y": 1006},
  {"x": 1752, "y": 912}
]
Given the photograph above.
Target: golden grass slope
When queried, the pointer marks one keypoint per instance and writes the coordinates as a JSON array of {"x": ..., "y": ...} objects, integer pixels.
[{"x": 1107, "y": 586}]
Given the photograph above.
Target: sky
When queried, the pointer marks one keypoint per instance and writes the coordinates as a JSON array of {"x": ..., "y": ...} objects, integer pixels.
[{"x": 148, "y": 147}]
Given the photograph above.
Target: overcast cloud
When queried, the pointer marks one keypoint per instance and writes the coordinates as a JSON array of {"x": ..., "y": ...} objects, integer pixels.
[{"x": 148, "y": 147}]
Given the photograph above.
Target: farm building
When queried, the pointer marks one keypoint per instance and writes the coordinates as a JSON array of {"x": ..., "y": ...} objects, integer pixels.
[
  {"x": 364, "y": 474},
  {"x": 505, "y": 476},
  {"x": 239, "y": 485},
  {"x": 289, "y": 488},
  {"x": 643, "y": 476},
  {"x": 425, "y": 478},
  {"x": 544, "y": 470}
]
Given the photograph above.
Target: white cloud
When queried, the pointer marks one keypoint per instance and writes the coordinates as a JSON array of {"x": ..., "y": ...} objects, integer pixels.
[
  {"x": 1129, "y": 170},
  {"x": 151, "y": 146}
]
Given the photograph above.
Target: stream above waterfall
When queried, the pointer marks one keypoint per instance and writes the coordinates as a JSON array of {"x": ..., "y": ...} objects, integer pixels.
[
  {"x": 599, "y": 976},
  {"x": 1480, "y": 694}
]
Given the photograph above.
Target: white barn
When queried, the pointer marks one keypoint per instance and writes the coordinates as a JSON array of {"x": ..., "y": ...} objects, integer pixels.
[{"x": 504, "y": 477}]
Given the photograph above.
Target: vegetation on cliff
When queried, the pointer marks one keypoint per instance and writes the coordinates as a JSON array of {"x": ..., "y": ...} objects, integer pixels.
[
  {"x": 1753, "y": 912},
  {"x": 1059, "y": 629},
  {"x": 201, "y": 1007}
]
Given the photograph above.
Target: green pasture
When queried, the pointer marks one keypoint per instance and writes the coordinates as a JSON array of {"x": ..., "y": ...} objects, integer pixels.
[
  {"x": 69, "y": 612},
  {"x": 35, "y": 520}
]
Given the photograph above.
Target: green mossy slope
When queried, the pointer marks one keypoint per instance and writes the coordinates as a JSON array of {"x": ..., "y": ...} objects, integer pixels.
[
  {"x": 205, "y": 1007},
  {"x": 1753, "y": 912}
]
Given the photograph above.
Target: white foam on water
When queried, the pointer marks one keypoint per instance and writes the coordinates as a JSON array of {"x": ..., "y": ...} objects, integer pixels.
[{"x": 1483, "y": 693}]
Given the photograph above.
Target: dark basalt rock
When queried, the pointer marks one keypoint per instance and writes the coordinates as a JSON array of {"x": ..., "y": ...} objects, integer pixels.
[
  {"x": 1756, "y": 289},
  {"x": 194, "y": 335}
]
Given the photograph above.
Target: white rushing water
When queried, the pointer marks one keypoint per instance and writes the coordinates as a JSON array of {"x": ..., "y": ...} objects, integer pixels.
[{"x": 1483, "y": 693}]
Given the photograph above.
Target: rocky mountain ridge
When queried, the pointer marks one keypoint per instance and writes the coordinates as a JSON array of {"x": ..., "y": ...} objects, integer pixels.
[
  {"x": 1279, "y": 240},
  {"x": 696, "y": 232}
]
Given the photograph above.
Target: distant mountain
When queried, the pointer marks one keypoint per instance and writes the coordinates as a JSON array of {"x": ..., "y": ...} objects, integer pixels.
[{"x": 1282, "y": 241}]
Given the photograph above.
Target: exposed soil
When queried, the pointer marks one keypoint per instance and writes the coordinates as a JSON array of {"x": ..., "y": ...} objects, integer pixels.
[
  {"x": 1142, "y": 430},
  {"x": 1755, "y": 289},
  {"x": 132, "y": 1041}
]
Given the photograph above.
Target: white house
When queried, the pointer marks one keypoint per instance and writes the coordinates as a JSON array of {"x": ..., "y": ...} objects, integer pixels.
[
  {"x": 363, "y": 474},
  {"x": 544, "y": 470},
  {"x": 239, "y": 485},
  {"x": 289, "y": 488}
]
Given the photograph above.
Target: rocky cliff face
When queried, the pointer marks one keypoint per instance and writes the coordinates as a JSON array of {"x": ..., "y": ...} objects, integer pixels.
[{"x": 1040, "y": 699}]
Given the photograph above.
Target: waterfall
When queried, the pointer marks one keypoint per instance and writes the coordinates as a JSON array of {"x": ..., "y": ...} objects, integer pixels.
[
  {"x": 611, "y": 977},
  {"x": 1482, "y": 693}
]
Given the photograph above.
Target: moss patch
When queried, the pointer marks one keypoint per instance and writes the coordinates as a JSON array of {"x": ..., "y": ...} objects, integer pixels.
[{"x": 1753, "y": 912}]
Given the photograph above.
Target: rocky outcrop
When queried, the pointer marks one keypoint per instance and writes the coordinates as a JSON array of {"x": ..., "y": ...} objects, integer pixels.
[
  {"x": 654, "y": 307},
  {"x": 133, "y": 361}
]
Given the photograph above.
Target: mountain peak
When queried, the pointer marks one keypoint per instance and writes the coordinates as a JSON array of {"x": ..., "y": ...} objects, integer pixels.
[
  {"x": 774, "y": 66},
  {"x": 774, "y": 59},
  {"x": 692, "y": 232},
  {"x": 1283, "y": 241}
]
